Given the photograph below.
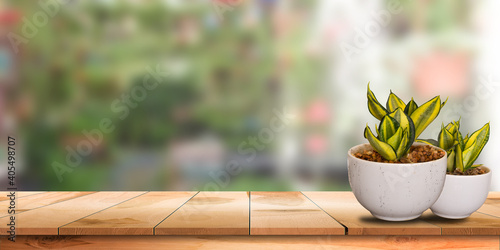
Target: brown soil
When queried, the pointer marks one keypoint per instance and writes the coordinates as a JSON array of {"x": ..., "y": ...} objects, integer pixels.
[
  {"x": 471, "y": 171},
  {"x": 417, "y": 154}
]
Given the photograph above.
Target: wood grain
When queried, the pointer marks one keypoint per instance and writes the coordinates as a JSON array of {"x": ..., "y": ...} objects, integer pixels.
[
  {"x": 344, "y": 207},
  {"x": 289, "y": 213},
  {"x": 253, "y": 242},
  {"x": 30, "y": 202},
  {"x": 224, "y": 213},
  {"x": 492, "y": 205},
  {"x": 210, "y": 213},
  {"x": 137, "y": 216},
  {"x": 476, "y": 224},
  {"x": 20, "y": 194},
  {"x": 47, "y": 220}
]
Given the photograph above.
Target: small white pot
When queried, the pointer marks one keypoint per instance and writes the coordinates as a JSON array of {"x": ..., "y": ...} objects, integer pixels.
[
  {"x": 462, "y": 195},
  {"x": 395, "y": 191}
]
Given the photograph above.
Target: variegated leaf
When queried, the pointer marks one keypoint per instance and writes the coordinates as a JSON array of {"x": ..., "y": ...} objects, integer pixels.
[
  {"x": 444, "y": 103},
  {"x": 476, "y": 143},
  {"x": 459, "y": 140},
  {"x": 381, "y": 147},
  {"x": 467, "y": 155},
  {"x": 388, "y": 126},
  {"x": 394, "y": 102},
  {"x": 445, "y": 139},
  {"x": 466, "y": 139},
  {"x": 404, "y": 145},
  {"x": 406, "y": 123},
  {"x": 374, "y": 106},
  {"x": 451, "y": 127},
  {"x": 410, "y": 107},
  {"x": 459, "y": 160},
  {"x": 451, "y": 161},
  {"x": 425, "y": 114},
  {"x": 428, "y": 141},
  {"x": 395, "y": 139}
]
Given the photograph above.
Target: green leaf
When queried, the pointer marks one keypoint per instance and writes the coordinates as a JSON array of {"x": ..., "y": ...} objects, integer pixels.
[
  {"x": 466, "y": 139},
  {"x": 481, "y": 134},
  {"x": 459, "y": 140},
  {"x": 425, "y": 114},
  {"x": 404, "y": 145},
  {"x": 382, "y": 148},
  {"x": 467, "y": 154},
  {"x": 428, "y": 141},
  {"x": 445, "y": 139},
  {"x": 387, "y": 128},
  {"x": 476, "y": 143},
  {"x": 452, "y": 127},
  {"x": 444, "y": 103},
  {"x": 410, "y": 107},
  {"x": 406, "y": 123},
  {"x": 395, "y": 140},
  {"x": 451, "y": 161},
  {"x": 375, "y": 108},
  {"x": 459, "y": 160},
  {"x": 394, "y": 102}
]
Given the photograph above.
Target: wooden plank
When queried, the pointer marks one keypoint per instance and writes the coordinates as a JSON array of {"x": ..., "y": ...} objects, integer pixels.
[
  {"x": 344, "y": 207},
  {"x": 289, "y": 213},
  {"x": 492, "y": 205},
  {"x": 494, "y": 195},
  {"x": 476, "y": 224},
  {"x": 47, "y": 220},
  {"x": 19, "y": 194},
  {"x": 209, "y": 213},
  {"x": 134, "y": 217},
  {"x": 27, "y": 203},
  {"x": 253, "y": 242}
]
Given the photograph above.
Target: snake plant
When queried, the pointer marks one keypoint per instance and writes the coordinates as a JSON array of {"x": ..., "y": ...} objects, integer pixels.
[
  {"x": 462, "y": 151},
  {"x": 400, "y": 123}
]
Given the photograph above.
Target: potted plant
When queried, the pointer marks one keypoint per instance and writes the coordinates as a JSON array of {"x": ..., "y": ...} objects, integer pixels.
[
  {"x": 467, "y": 185},
  {"x": 393, "y": 177}
]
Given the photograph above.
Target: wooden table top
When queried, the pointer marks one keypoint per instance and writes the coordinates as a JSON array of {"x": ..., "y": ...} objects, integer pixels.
[{"x": 223, "y": 213}]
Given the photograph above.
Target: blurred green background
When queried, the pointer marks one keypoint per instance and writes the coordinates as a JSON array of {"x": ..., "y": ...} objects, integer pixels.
[{"x": 229, "y": 66}]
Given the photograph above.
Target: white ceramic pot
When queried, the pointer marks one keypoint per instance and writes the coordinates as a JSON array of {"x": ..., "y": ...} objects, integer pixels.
[
  {"x": 395, "y": 191},
  {"x": 462, "y": 195}
]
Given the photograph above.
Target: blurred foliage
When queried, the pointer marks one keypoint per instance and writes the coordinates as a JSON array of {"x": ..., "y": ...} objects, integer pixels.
[
  {"x": 225, "y": 76},
  {"x": 223, "y": 79}
]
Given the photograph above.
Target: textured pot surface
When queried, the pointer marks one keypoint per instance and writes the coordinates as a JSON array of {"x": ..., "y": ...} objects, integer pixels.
[
  {"x": 462, "y": 195},
  {"x": 395, "y": 191}
]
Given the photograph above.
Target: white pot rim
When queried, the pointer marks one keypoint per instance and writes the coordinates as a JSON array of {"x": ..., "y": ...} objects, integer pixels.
[
  {"x": 350, "y": 151},
  {"x": 471, "y": 176}
]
